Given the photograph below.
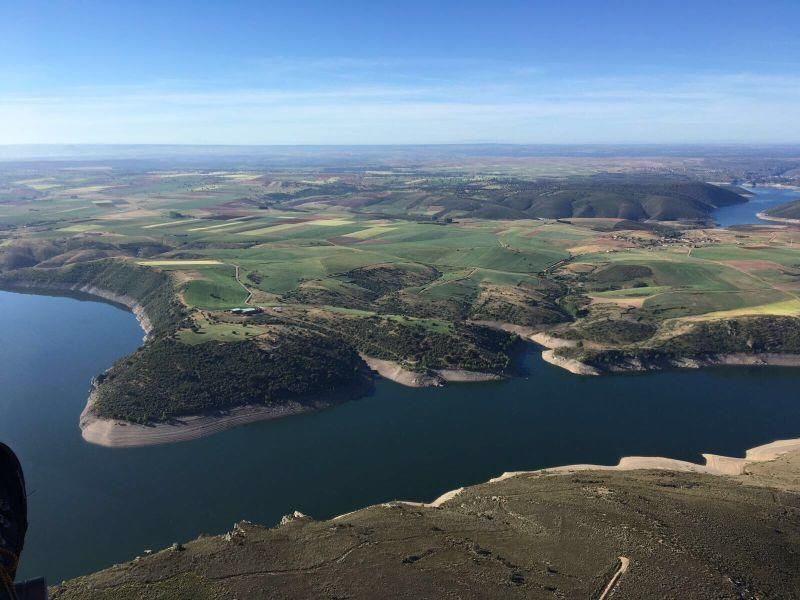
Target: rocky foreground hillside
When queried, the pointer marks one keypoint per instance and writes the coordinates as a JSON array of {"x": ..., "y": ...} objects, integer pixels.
[{"x": 585, "y": 534}]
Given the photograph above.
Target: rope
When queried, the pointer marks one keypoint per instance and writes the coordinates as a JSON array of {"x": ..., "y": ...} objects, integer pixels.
[{"x": 5, "y": 578}]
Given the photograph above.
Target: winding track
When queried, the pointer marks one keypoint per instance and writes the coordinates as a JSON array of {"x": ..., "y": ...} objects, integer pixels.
[
  {"x": 239, "y": 281},
  {"x": 623, "y": 566}
]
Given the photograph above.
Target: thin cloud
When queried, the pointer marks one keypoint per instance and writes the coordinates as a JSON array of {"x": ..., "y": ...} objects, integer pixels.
[{"x": 524, "y": 109}]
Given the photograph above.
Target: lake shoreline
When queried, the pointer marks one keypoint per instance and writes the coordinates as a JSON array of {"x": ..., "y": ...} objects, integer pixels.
[
  {"x": 118, "y": 433},
  {"x": 115, "y": 433},
  {"x": 740, "y": 359},
  {"x": 765, "y": 217},
  {"x": 640, "y": 496},
  {"x": 715, "y": 464},
  {"x": 394, "y": 371},
  {"x": 551, "y": 344},
  {"x": 129, "y": 303}
]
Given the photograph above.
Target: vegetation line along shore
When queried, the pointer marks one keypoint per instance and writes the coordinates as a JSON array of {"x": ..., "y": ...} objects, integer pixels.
[{"x": 714, "y": 465}]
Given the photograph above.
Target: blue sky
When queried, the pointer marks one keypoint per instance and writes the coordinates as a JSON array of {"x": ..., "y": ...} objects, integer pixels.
[{"x": 275, "y": 72}]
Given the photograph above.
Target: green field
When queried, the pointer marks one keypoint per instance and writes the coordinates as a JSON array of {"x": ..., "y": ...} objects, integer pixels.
[{"x": 214, "y": 289}]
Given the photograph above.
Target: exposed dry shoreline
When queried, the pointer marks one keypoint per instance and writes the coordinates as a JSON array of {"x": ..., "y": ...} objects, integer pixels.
[
  {"x": 714, "y": 465},
  {"x": 782, "y": 186},
  {"x": 577, "y": 367},
  {"x": 113, "y": 433},
  {"x": 765, "y": 217},
  {"x": 393, "y": 370},
  {"x": 595, "y": 534}
]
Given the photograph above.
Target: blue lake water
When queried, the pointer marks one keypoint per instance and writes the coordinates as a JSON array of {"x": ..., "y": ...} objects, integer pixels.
[
  {"x": 91, "y": 507},
  {"x": 763, "y": 199}
]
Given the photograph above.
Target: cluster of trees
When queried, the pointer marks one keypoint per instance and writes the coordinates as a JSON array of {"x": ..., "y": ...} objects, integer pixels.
[
  {"x": 347, "y": 296},
  {"x": 383, "y": 279},
  {"x": 615, "y": 277},
  {"x": 748, "y": 335},
  {"x": 452, "y": 308},
  {"x": 338, "y": 188},
  {"x": 527, "y": 314},
  {"x": 521, "y": 305},
  {"x": 616, "y": 331},
  {"x": 166, "y": 379},
  {"x": 470, "y": 347}
]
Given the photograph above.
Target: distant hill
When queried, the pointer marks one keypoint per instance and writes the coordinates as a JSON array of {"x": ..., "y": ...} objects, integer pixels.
[
  {"x": 790, "y": 210},
  {"x": 632, "y": 197}
]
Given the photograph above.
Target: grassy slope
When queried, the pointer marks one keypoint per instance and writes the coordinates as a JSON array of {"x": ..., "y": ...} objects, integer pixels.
[
  {"x": 167, "y": 378},
  {"x": 790, "y": 210},
  {"x": 722, "y": 297},
  {"x": 635, "y": 197},
  {"x": 686, "y": 535}
]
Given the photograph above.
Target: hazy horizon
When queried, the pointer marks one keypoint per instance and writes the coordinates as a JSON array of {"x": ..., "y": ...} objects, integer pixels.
[
  {"x": 309, "y": 73},
  {"x": 201, "y": 156}
]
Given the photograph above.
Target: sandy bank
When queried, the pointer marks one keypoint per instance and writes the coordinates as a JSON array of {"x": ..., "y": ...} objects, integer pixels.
[
  {"x": 549, "y": 356},
  {"x": 392, "y": 370},
  {"x": 113, "y": 433},
  {"x": 551, "y": 342},
  {"x": 462, "y": 376},
  {"x": 765, "y": 217},
  {"x": 737, "y": 359},
  {"x": 781, "y": 186},
  {"x": 395, "y": 371},
  {"x": 714, "y": 465},
  {"x": 521, "y": 330},
  {"x": 570, "y": 364}
]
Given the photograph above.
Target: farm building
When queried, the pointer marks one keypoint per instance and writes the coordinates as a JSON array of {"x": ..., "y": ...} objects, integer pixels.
[{"x": 250, "y": 310}]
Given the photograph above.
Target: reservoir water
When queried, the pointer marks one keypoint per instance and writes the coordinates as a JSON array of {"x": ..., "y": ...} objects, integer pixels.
[
  {"x": 91, "y": 507},
  {"x": 764, "y": 198}
]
